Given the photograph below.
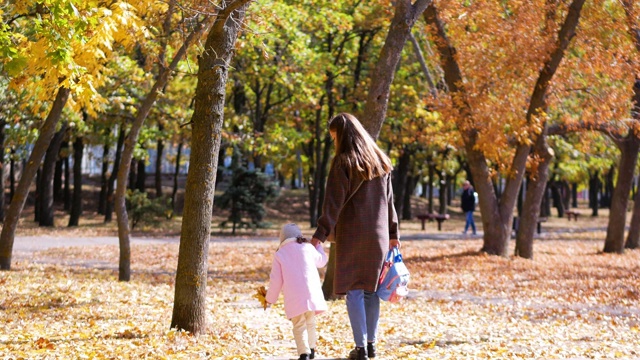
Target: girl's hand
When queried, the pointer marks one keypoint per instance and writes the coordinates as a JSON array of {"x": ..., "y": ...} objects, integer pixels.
[{"x": 394, "y": 243}]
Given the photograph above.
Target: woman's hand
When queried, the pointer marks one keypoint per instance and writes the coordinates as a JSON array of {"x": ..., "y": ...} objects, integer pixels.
[
  {"x": 394, "y": 243},
  {"x": 315, "y": 241}
]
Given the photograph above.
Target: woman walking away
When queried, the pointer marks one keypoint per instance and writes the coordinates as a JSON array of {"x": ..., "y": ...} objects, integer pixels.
[
  {"x": 358, "y": 213},
  {"x": 295, "y": 272}
]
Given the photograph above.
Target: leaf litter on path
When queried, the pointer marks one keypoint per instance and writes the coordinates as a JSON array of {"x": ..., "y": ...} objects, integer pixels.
[{"x": 571, "y": 301}]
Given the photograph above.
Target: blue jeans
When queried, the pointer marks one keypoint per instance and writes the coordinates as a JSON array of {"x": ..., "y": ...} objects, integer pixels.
[
  {"x": 470, "y": 222},
  {"x": 364, "y": 312}
]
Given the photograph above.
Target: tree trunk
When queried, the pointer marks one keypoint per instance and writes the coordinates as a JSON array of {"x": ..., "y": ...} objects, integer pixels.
[
  {"x": 176, "y": 176},
  {"x": 67, "y": 179},
  {"x": 47, "y": 176},
  {"x": 314, "y": 154},
  {"x": 133, "y": 174},
  {"x": 528, "y": 220},
  {"x": 633, "y": 238},
  {"x": 629, "y": 148},
  {"x": 605, "y": 199},
  {"x": 375, "y": 108},
  {"x": 2, "y": 172},
  {"x": 574, "y": 195},
  {"x": 108, "y": 212},
  {"x": 412, "y": 181},
  {"x": 614, "y": 242},
  {"x": 556, "y": 190},
  {"x": 443, "y": 193},
  {"x": 432, "y": 174},
  {"x": 400, "y": 180},
  {"x": 191, "y": 276},
  {"x": 36, "y": 196},
  {"x": 76, "y": 206},
  {"x": 159, "y": 155},
  {"x": 141, "y": 179},
  {"x": 57, "y": 180},
  {"x": 102, "y": 200},
  {"x": 594, "y": 191},
  {"x": 28, "y": 173},
  {"x": 12, "y": 175}
]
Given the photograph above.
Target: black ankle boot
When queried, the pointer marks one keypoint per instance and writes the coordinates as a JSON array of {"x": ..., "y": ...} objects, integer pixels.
[
  {"x": 359, "y": 353},
  {"x": 313, "y": 354},
  {"x": 304, "y": 357},
  {"x": 371, "y": 350}
]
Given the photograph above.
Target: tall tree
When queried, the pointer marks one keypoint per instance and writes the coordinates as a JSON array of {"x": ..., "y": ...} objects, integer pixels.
[
  {"x": 542, "y": 153},
  {"x": 164, "y": 71},
  {"x": 28, "y": 174},
  {"x": 60, "y": 35},
  {"x": 497, "y": 212},
  {"x": 206, "y": 123}
]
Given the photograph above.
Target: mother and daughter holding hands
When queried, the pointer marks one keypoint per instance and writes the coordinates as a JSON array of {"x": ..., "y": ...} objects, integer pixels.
[{"x": 359, "y": 215}]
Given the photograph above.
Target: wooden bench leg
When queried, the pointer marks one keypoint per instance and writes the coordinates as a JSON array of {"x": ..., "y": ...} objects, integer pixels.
[
  {"x": 423, "y": 220},
  {"x": 439, "y": 225}
]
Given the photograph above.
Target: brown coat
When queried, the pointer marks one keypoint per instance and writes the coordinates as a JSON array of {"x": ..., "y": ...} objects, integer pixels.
[{"x": 362, "y": 229}]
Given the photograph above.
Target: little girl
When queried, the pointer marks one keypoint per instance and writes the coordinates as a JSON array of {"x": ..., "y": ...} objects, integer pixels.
[{"x": 294, "y": 271}]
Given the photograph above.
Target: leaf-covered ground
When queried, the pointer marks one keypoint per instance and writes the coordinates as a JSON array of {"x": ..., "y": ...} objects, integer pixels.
[{"x": 571, "y": 301}]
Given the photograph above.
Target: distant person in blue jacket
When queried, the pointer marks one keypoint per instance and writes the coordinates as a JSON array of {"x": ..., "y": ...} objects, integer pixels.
[{"x": 468, "y": 203}]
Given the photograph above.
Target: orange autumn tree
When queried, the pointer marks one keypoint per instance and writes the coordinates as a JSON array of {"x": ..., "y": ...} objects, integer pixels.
[
  {"x": 602, "y": 93},
  {"x": 499, "y": 60}
]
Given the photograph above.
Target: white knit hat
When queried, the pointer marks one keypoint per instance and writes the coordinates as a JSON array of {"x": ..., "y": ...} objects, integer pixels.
[{"x": 288, "y": 231}]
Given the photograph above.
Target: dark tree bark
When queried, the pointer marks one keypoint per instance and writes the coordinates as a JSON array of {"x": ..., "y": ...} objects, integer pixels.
[
  {"x": 536, "y": 186},
  {"x": 2, "y": 165},
  {"x": 556, "y": 193},
  {"x": 176, "y": 175},
  {"x": 133, "y": 174},
  {"x": 629, "y": 147},
  {"x": 412, "y": 181},
  {"x": 57, "y": 180},
  {"x": 108, "y": 212},
  {"x": 633, "y": 238},
  {"x": 12, "y": 175},
  {"x": 102, "y": 200},
  {"x": 594, "y": 191},
  {"x": 574, "y": 195},
  {"x": 399, "y": 182},
  {"x": 159, "y": 156},
  {"x": 46, "y": 179},
  {"x": 141, "y": 176},
  {"x": 47, "y": 131},
  {"x": 36, "y": 197},
  {"x": 191, "y": 276},
  {"x": 607, "y": 189},
  {"x": 76, "y": 205},
  {"x": 67, "y": 181}
]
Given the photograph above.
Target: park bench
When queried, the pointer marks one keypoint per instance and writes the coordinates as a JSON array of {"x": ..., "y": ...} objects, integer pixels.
[
  {"x": 440, "y": 218},
  {"x": 516, "y": 223},
  {"x": 572, "y": 214}
]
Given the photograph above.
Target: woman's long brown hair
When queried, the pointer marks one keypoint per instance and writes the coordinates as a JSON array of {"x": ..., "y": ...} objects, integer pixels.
[{"x": 356, "y": 150}]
